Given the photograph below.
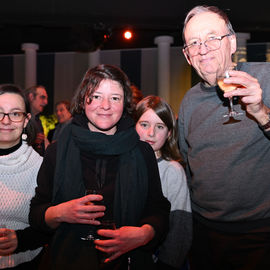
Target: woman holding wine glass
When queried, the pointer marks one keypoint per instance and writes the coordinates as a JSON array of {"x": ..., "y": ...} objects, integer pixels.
[{"x": 101, "y": 150}]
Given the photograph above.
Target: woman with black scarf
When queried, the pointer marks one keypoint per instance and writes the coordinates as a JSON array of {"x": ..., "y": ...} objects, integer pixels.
[{"x": 101, "y": 150}]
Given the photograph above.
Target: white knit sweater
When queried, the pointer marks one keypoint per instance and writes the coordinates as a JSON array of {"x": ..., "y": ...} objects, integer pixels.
[{"x": 18, "y": 173}]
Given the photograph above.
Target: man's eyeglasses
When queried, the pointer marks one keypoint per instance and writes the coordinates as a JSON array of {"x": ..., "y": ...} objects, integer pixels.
[
  {"x": 43, "y": 97},
  {"x": 13, "y": 116},
  {"x": 211, "y": 44}
]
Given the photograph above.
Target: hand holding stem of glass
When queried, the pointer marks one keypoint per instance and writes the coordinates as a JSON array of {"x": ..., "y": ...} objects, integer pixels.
[{"x": 105, "y": 225}]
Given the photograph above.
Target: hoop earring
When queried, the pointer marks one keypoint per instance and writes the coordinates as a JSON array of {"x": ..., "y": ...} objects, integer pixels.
[{"x": 24, "y": 135}]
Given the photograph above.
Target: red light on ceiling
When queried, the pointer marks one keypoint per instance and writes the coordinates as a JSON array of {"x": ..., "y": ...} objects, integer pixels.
[{"x": 128, "y": 35}]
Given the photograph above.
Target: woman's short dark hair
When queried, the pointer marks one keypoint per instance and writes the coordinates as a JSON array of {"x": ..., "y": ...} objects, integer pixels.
[
  {"x": 169, "y": 151},
  {"x": 91, "y": 81},
  {"x": 14, "y": 89}
]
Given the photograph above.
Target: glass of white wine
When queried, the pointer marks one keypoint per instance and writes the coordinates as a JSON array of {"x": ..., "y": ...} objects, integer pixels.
[{"x": 226, "y": 87}]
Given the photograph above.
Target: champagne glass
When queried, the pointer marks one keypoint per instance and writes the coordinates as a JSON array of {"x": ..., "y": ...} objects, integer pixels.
[
  {"x": 227, "y": 87},
  {"x": 92, "y": 233}
]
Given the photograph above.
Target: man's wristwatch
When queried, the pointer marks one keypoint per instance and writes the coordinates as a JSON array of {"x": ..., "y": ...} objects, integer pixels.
[{"x": 265, "y": 126}]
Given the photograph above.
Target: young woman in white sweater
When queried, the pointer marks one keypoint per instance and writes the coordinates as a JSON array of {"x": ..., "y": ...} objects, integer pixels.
[
  {"x": 19, "y": 165},
  {"x": 156, "y": 124}
]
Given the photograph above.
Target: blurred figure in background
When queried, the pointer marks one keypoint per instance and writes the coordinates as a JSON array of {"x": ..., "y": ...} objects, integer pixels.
[
  {"x": 63, "y": 114},
  {"x": 156, "y": 124},
  {"x": 38, "y": 99},
  {"x": 20, "y": 245}
]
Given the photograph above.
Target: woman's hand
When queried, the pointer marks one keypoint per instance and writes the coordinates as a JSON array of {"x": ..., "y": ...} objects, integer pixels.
[
  {"x": 8, "y": 241},
  {"x": 123, "y": 240},
  {"x": 82, "y": 210}
]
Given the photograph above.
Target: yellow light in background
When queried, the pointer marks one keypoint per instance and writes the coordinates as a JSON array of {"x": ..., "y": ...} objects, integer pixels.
[{"x": 48, "y": 122}]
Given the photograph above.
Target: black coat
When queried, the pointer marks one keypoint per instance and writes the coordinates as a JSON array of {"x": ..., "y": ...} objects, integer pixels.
[{"x": 72, "y": 252}]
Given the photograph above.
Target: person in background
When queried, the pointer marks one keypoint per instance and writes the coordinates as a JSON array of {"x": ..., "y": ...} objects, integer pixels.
[
  {"x": 101, "y": 150},
  {"x": 137, "y": 94},
  {"x": 227, "y": 157},
  {"x": 156, "y": 124},
  {"x": 20, "y": 245},
  {"x": 38, "y": 99},
  {"x": 62, "y": 111}
]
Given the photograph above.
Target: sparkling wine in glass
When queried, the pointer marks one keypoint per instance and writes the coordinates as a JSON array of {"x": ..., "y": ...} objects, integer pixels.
[{"x": 225, "y": 87}]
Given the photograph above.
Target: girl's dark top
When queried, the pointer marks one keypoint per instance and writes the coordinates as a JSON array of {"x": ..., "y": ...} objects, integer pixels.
[{"x": 100, "y": 171}]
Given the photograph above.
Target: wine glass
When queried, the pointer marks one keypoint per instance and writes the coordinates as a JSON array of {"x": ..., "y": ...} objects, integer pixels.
[
  {"x": 227, "y": 87},
  {"x": 92, "y": 233}
]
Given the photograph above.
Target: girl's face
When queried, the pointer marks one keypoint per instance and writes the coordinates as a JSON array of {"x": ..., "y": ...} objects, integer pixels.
[
  {"x": 10, "y": 132},
  {"x": 152, "y": 129},
  {"x": 106, "y": 107}
]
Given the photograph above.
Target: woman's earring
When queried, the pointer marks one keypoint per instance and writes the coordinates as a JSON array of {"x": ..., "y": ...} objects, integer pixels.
[{"x": 24, "y": 135}]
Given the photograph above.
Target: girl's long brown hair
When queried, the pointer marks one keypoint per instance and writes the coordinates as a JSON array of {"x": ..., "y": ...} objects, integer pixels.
[{"x": 169, "y": 150}]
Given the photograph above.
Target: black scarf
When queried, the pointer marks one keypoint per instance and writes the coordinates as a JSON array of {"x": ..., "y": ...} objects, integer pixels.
[{"x": 132, "y": 179}]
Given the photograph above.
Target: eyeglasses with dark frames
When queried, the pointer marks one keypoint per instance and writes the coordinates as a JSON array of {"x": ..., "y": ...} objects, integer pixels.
[
  {"x": 211, "y": 44},
  {"x": 13, "y": 116}
]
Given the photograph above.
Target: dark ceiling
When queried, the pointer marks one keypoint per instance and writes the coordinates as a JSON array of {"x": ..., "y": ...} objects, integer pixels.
[{"x": 80, "y": 25}]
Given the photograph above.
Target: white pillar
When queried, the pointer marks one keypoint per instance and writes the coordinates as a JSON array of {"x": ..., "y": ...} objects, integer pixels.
[
  {"x": 241, "y": 52},
  {"x": 163, "y": 43},
  {"x": 30, "y": 50},
  {"x": 94, "y": 58}
]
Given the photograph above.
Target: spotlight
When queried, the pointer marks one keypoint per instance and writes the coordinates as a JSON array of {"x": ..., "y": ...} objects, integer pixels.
[{"x": 128, "y": 34}]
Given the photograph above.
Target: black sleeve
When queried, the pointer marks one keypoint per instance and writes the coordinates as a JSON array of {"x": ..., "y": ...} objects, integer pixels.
[
  {"x": 50, "y": 135},
  {"x": 30, "y": 239},
  {"x": 43, "y": 193},
  {"x": 157, "y": 208}
]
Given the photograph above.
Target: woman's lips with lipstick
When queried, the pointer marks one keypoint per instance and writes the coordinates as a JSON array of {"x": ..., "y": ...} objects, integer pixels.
[{"x": 150, "y": 142}]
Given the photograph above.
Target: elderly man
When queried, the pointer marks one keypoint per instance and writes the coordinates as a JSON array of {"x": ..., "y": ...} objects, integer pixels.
[{"x": 227, "y": 157}]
